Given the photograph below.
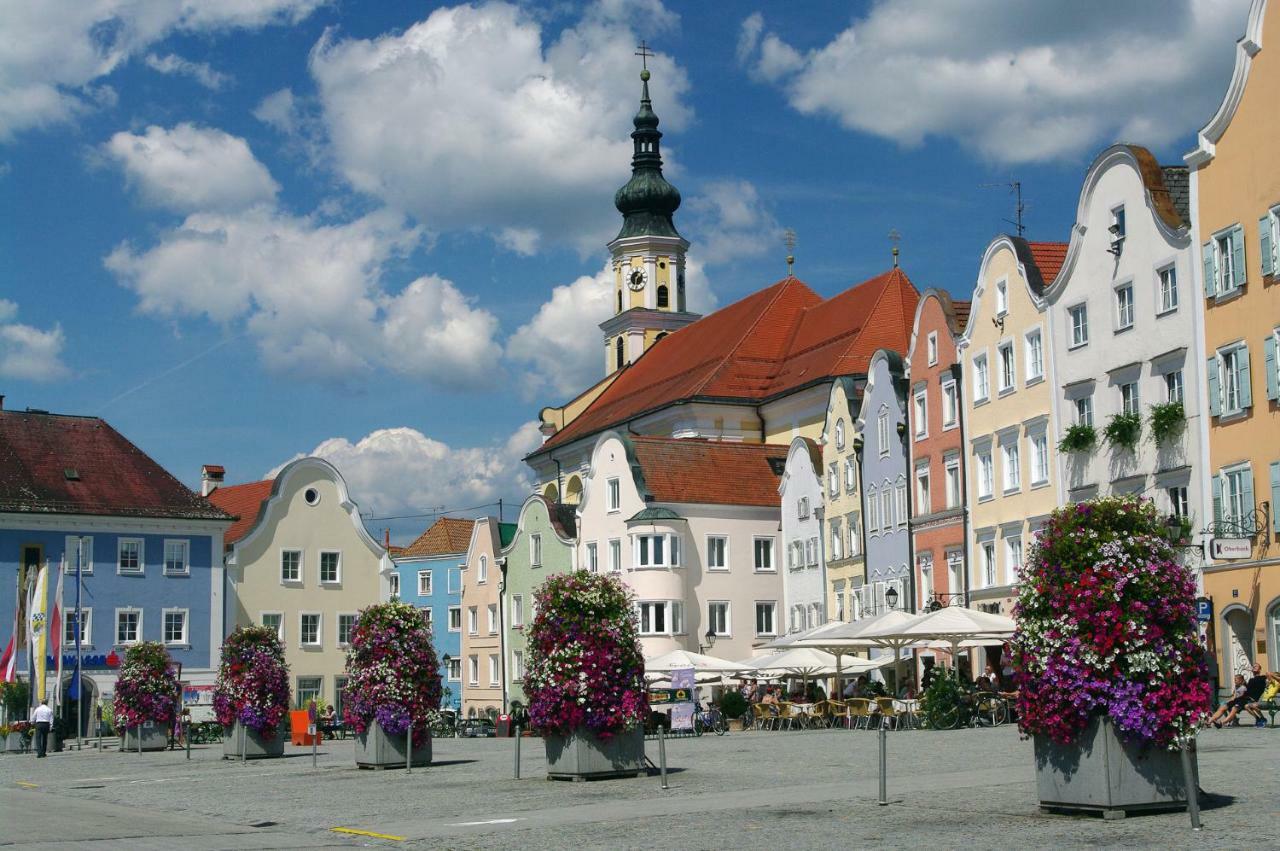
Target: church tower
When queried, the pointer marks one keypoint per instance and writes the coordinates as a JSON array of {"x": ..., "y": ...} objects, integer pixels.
[{"x": 648, "y": 253}]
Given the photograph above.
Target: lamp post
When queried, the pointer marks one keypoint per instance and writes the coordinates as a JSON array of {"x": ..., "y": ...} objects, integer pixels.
[
  {"x": 709, "y": 638},
  {"x": 891, "y": 597}
]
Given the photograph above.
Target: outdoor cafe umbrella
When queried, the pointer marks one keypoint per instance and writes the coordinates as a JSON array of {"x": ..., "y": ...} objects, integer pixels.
[
  {"x": 790, "y": 639},
  {"x": 802, "y": 662},
  {"x": 677, "y": 660},
  {"x": 856, "y": 636},
  {"x": 955, "y": 625}
]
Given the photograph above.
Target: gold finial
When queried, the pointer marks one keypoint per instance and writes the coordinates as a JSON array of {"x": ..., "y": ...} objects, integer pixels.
[
  {"x": 895, "y": 238},
  {"x": 789, "y": 239},
  {"x": 644, "y": 53}
]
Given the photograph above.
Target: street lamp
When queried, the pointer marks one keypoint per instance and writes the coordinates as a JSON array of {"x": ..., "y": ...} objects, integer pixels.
[
  {"x": 1173, "y": 527},
  {"x": 709, "y": 638},
  {"x": 891, "y": 597}
]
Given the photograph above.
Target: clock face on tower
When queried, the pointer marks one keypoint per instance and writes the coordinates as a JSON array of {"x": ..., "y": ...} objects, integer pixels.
[{"x": 636, "y": 280}]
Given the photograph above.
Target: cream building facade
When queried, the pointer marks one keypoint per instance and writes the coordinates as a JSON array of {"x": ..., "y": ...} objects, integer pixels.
[
  {"x": 845, "y": 569},
  {"x": 483, "y": 577},
  {"x": 804, "y": 578}
]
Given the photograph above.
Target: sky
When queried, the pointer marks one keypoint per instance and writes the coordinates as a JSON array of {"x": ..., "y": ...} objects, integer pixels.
[{"x": 374, "y": 230}]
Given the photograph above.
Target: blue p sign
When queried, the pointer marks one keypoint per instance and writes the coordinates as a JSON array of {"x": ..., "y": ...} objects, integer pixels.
[{"x": 1204, "y": 609}]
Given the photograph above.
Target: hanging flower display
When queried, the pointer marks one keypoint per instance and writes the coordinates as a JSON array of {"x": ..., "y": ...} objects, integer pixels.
[
  {"x": 147, "y": 687},
  {"x": 393, "y": 674},
  {"x": 1106, "y": 627},
  {"x": 585, "y": 667},
  {"x": 253, "y": 681}
]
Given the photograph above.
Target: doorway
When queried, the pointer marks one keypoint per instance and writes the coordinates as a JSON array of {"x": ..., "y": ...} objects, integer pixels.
[
  {"x": 1239, "y": 643},
  {"x": 77, "y": 714}
]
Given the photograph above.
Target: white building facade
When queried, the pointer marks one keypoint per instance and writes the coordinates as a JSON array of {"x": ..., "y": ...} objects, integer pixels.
[{"x": 804, "y": 559}]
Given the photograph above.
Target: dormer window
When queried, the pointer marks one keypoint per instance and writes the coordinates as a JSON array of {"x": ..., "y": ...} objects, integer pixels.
[{"x": 1117, "y": 224}]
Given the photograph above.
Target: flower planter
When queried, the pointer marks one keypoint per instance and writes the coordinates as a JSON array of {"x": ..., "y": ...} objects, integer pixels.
[
  {"x": 154, "y": 738},
  {"x": 256, "y": 745},
  {"x": 13, "y": 743},
  {"x": 735, "y": 725},
  {"x": 582, "y": 756},
  {"x": 1100, "y": 772},
  {"x": 375, "y": 748}
]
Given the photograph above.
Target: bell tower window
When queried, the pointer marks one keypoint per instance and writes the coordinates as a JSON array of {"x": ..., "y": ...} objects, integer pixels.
[
  {"x": 619, "y": 301},
  {"x": 620, "y": 354},
  {"x": 663, "y": 300}
]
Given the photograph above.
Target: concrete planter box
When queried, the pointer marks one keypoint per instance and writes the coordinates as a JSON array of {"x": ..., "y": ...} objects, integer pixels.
[
  {"x": 582, "y": 756},
  {"x": 256, "y": 746},
  {"x": 13, "y": 743},
  {"x": 735, "y": 725},
  {"x": 375, "y": 748},
  {"x": 154, "y": 738},
  {"x": 1102, "y": 773}
]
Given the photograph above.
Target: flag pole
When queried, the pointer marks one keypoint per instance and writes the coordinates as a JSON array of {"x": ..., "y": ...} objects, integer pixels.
[{"x": 76, "y": 694}]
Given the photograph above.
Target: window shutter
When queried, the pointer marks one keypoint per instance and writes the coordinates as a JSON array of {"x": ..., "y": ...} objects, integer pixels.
[
  {"x": 1242, "y": 376},
  {"x": 1215, "y": 393},
  {"x": 1237, "y": 251},
  {"x": 1210, "y": 278},
  {"x": 1275, "y": 496},
  {"x": 1269, "y": 355},
  {"x": 1264, "y": 245},
  {"x": 1246, "y": 488},
  {"x": 1217, "y": 498}
]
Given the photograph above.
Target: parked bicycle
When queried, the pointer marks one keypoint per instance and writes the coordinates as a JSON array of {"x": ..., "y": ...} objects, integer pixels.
[{"x": 710, "y": 718}]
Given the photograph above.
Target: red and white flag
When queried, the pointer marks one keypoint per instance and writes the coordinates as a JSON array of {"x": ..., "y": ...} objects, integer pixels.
[{"x": 56, "y": 631}]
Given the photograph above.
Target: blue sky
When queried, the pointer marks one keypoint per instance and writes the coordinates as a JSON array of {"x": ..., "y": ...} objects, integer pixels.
[{"x": 375, "y": 230}]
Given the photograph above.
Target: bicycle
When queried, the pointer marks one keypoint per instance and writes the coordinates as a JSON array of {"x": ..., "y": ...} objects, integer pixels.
[{"x": 710, "y": 718}]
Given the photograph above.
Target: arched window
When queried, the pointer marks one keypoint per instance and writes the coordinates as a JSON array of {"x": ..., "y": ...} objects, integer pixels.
[
  {"x": 618, "y": 348},
  {"x": 663, "y": 299},
  {"x": 839, "y": 434},
  {"x": 660, "y": 336},
  {"x": 619, "y": 301}
]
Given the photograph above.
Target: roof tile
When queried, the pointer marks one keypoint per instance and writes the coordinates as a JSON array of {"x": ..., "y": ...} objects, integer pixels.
[
  {"x": 446, "y": 536},
  {"x": 712, "y": 472},
  {"x": 244, "y": 502}
]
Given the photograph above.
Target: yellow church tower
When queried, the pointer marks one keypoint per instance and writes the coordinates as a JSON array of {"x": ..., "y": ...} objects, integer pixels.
[{"x": 648, "y": 253}]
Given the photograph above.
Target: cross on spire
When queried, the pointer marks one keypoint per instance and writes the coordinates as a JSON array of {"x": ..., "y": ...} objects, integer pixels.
[
  {"x": 789, "y": 240},
  {"x": 895, "y": 238},
  {"x": 644, "y": 53}
]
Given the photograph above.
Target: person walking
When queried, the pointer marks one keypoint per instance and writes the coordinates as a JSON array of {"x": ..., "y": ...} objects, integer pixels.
[{"x": 43, "y": 718}]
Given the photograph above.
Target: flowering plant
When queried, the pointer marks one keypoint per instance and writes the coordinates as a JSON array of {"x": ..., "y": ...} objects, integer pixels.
[
  {"x": 147, "y": 688},
  {"x": 393, "y": 673},
  {"x": 1106, "y": 627},
  {"x": 253, "y": 681},
  {"x": 585, "y": 666}
]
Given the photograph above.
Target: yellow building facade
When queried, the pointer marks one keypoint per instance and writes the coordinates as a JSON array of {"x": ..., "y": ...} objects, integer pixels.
[{"x": 846, "y": 574}]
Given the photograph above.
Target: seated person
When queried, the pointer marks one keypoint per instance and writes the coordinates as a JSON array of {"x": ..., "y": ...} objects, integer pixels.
[
  {"x": 328, "y": 722},
  {"x": 1267, "y": 699},
  {"x": 1233, "y": 706},
  {"x": 850, "y": 689}
]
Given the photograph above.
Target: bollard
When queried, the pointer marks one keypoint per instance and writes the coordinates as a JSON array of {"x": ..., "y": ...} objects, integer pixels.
[
  {"x": 662, "y": 756},
  {"x": 408, "y": 748},
  {"x": 1193, "y": 793},
  {"x": 188, "y": 738},
  {"x": 884, "y": 765},
  {"x": 244, "y": 743},
  {"x": 517, "y": 752},
  {"x": 315, "y": 738},
  {"x": 138, "y": 732}
]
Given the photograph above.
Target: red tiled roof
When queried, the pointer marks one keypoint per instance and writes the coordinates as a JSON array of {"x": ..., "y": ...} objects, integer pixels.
[
  {"x": 214, "y": 468},
  {"x": 1049, "y": 256},
  {"x": 244, "y": 502},
  {"x": 767, "y": 344},
  {"x": 961, "y": 309},
  {"x": 446, "y": 536},
  {"x": 692, "y": 470},
  {"x": 57, "y": 464}
]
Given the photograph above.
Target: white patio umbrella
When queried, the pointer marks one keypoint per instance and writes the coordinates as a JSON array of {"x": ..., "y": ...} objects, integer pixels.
[
  {"x": 955, "y": 625},
  {"x": 856, "y": 636},
  {"x": 790, "y": 639},
  {"x": 804, "y": 662},
  {"x": 676, "y": 660}
]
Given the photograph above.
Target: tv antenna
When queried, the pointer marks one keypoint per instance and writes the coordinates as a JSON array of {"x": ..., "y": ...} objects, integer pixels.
[{"x": 1015, "y": 187}]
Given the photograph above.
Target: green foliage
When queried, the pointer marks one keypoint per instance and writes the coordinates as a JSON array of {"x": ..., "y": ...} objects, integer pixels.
[
  {"x": 733, "y": 704},
  {"x": 940, "y": 703},
  {"x": 1167, "y": 421},
  {"x": 14, "y": 697},
  {"x": 1080, "y": 437},
  {"x": 1123, "y": 430}
]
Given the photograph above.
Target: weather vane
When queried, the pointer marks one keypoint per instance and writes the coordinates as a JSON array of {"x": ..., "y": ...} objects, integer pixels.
[
  {"x": 789, "y": 240},
  {"x": 644, "y": 53},
  {"x": 895, "y": 238}
]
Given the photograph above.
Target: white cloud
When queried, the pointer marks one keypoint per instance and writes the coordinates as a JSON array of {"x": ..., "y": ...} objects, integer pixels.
[
  {"x": 397, "y": 470},
  {"x": 1015, "y": 82},
  {"x": 471, "y": 119},
  {"x": 729, "y": 221},
  {"x": 431, "y": 329},
  {"x": 188, "y": 168},
  {"x": 56, "y": 49},
  {"x": 26, "y": 352},
  {"x": 202, "y": 72}
]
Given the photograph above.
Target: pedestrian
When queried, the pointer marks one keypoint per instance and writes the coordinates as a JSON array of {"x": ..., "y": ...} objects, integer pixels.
[{"x": 43, "y": 717}]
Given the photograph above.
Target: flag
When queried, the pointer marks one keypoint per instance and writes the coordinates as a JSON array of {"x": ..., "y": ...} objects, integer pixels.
[
  {"x": 9, "y": 661},
  {"x": 38, "y": 631},
  {"x": 56, "y": 630}
]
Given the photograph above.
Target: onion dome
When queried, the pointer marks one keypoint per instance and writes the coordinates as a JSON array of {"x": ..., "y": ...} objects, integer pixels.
[{"x": 647, "y": 201}]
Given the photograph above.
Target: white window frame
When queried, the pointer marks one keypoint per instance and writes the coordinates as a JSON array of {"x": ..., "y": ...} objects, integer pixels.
[
  {"x": 615, "y": 555},
  {"x": 141, "y": 569},
  {"x": 921, "y": 410},
  {"x": 127, "y": 610},
  {"x": 770, "y": 606},
  {"x": 850, "y": 476},
  {"x": 1002, "y": 297},
  {"x": 535, "y": 550},
  {"x": 981, "y": 379},
  {"x": 1013, "y": 556},
  {"x": 1011, "y": 465},
  {"x": 69, "y": 555},
  {"x": 1179, "y": 501},
  {"x": 473, "y": 620},
  {"x": 482, "y": 570},
  {"x": 517, "y": 611},
  {"x": 1224, "y": 262},
  {"x": 950, "y": 405},
  {"x": 833, "y": 479},
  {"x": 986, "y": 474},
  {"x": 1167, "y": 290},
  {"x": 1174, "y": 386},
  {"x": 337, "y": 628},
  {"x": 724, "y": 552},
  {"x": 1084, "y": 410},
  {"x": 320, "y": 567},
  {"x": 931, "y": 347},
  {"x": 185, "y": 545},
  {"x": 1078, "y": 325},
  {"x": 593, "y": 556},
  {"x": 840, "y": 434},
  {"x": 430, "y": 585},
  {"x": 836, "y": 540},
  {"x": 393, "y": 583},
  {"x": 990, "y": 568},
  {"x": 726, "y": 617},
  {"x": 772, "y": 567},
  {"x": 953, "y": 482},
  {"x": 1125, "y": 307},
  {"x": 301, "y": 566},
  {"x": 495, "y": 670},
  {"x": 1008, "y": 378},
  {"x": 491, "y": 617},
  {"x": 517, "y": 665},
  {"x": 1039, "y": 459},
  {"x": 453, "y": 671},
  {"x": 613, "y": 490},
  {"x": 802, "y": 508},
  {"x": 644, "y": 551},
  {"x": 299, "y": 691},
  {"x": 1034, "y": 355},
  {"x": 262, "y": 619},
  {"x": 452, "y": 611},
  {"x": 1233, "y": 506},
  {"x": 319, "y": 642},
  {"x": 882, "y": 433},
  {"x": 86, "y": 628},
  {"x": 923, "y": 496},
  {"x": 1130, "y": 398},
  {"x": 473, "y": 669},
  {"x": 185, "y": 640}
]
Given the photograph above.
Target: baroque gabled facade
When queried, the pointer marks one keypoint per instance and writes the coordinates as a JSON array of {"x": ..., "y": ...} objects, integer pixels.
[
  {"x": 881, "y": 429},
  {"x": 803, "y": 580},
  {"x": 845, "y": 568}
]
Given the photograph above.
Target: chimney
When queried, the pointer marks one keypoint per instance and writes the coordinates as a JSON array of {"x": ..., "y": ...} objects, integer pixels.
[
  {"x": 386, "y": 539},
  {"x": 211, "y": 476}
]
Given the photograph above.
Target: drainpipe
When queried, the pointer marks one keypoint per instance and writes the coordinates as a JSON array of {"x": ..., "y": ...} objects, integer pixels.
[
  {"x": 502, "y": 629},
  {"x": 904, "y": 434},
  {"x": 858, "y": 447},
  {"x": 965, "y": 520}
]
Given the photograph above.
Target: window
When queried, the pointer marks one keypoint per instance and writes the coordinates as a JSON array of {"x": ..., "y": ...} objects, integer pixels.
[
  {"x": 129, "y": 555},
  {"x": 291, "y": 565},
  {"x": 656, "y": 550},
  {"x": 1007, "y": 376},
  {"x": 838, "y": 592},
  {"x": 811, "y": 552},
  {"x": 69, "y": 628},
  {"x": 473, "y": 620},
  {"x": 309, "y": 629},
  {"x": 1002, "y": 298},
  {"x": 802, "y": 508},
  {"x": 718, "y": 618},
  {"x": 615, "y": 494},
  {"x": 950, "y": 404},
  {"x": 833, "y": 479},
  {"x": 839, "y": 434},
  {"x": 988, "y": 563},
  {"x": 1229, "y": 390},
  {"x": 882, "y": 433},
  {"x": 455, "y": 670},
  {"x": 175, "y": 626},
  {"x": 177, "y": 560},
  {"x": 953, "y": 482},
  {"x": 1084, "y": 410},
  {"x": 1117, "y": 228},
  {"x": 274, "y": 620},
  {"x": 535, "y": 550},
  {"x": 453, "y": 581},
  {"x": 615, "y": 556},
  {"x": 1224, "y": 272},
  {"x": 850, "y": 476},
  {"x": 308, "y": 689},
  {"x": 81, "y": 548},
  {"x": 1039, "y": 459},
  {"x": 517, "y": 611},
  {"x": 855, "y": 539},
  {"x": 1269, "y": 240},
  {"x": 763, "y": 555},
  {"x": 900, "y": 503},
  {"x": 495, "y": 677},
  {"x": 873, "y": 512},
  {"x": 1129, "y": 397},
  {"x": 593, "y": 557},
  {"x": 128, "y": 626},
  {"x": 1012, "y": 466},
  {"x": 955, "y": 570},
  {"x": 424, "y": 583},
  {"x": 981, "y": 384},
  {"x": 1178, "y": 505},
  {"x": 482, "y": 571},
  {"x": 473, "y": 670},
  {"x": 933, "y": 347},
  {"x": 455, "y": 619},
  {"x": 1168, "y": 289},
  {"x": 925, "y": 563},
  {"x": 886, "y": 508},
  {"x": 346, "y": 624},
  {"x": 517, "y": 665},
  {"x": 1173, "y": 385},
  {"x": 766, "y": 623},
  {"x": 1013, "y": 555},
  {"x": 661, "y": 617},
  {"x": 1124, "y": 307},
  {"x": 394, "y": 582},
  {"x": 922, "y": 490},
  {"x": 339, "y": 693},
  {"x": 985, "y": 475},
  {"x": 1236, "y": 494},
  {"x": 1035, "y": 357},
  {"x": 921, "y": 412},
  {"x": 663, "y": 296},
  {"x": 492, "y": 618},
  {"x": 331, "y": 568},
  {"x": 836, "y": 540},
  {"x": 429, "y": 616},
  {"x": 1079, "y": 325},
  {"x": 717, "y": 552}
]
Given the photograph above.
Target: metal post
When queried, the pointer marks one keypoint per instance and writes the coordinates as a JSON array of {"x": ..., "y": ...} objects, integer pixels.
[
  {"x": 244, "y": 744},
  {"x": 517, "y": 752},
  {"x": 137, "y": 731},
  {"x": 188, "y": 738},
  {"x": 314, "y": 739},
  {"x": 1193, "y": 793},
  {"x": 662, "y": 756},
  {"x": 408, "y": 749},
  {"x": 884, "y": 764}
]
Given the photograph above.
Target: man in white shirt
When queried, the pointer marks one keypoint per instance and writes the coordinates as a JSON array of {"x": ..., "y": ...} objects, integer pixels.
[{"x": 43, "y": 718}]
